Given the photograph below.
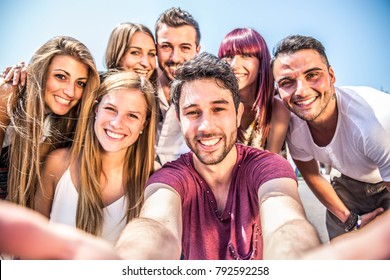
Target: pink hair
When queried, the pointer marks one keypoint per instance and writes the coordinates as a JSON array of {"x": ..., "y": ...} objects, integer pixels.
[{"x": 249, "y": 41}]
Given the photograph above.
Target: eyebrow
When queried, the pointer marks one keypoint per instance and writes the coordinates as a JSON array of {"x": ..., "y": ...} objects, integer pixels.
[
  {"x": 140, "y": 48},
  {"x": 313, "y": 69},
  {"x": 305, "y": 72},
  {"x": 67, "y": 73},
  {"x": 133, "y": 112},
  {"x": 220, "y": 101}
]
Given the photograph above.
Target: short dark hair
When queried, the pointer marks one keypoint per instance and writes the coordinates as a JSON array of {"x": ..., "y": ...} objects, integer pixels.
[
  {"x": 176, "y": 17},
  {"x": 205, "y": 66},
  {"x": 294, "y": 43}
]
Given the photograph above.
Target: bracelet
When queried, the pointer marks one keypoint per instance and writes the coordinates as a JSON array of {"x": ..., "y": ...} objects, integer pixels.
[
  {"x": 352, "y": 221},
  {"x": 358, "y": 223}
]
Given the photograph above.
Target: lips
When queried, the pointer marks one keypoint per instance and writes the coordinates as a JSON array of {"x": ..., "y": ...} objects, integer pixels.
[
  {"x": 305, "y": 102},
  {"x": 141, "y": 72},
  {"x": 210, "y": 142},
  {"x": 114, "y": 135},
  {"x": 61, "y": 100},
  {"x": 239, "y": 75}
]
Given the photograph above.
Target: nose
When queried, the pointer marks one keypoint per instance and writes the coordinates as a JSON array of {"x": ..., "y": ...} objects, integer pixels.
[
  {"x": 145, "y": 60},
  {"x": 175, "y": 55},
  {"x": 69, "y": 90},
  {"x": 206, "y": 123},
  {"x": 236, "y": 60},
  {"x": 302, "y": 88},
  {"x": 116, "y": 121}
]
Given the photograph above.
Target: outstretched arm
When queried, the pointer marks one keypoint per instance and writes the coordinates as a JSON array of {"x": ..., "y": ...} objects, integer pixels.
[
  {"x": 287, "y": 233},
  {"x": 27, "y": 234},
  {"x": 157, "y": 233},
  {"x": 371, "y": 242}
]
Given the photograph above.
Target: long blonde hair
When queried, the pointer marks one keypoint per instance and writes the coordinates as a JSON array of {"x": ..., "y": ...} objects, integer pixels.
[
  {"x": 139, "y": 156},
  {"x": 27, "y": 118},
  {"x": 119, "y": 44}
]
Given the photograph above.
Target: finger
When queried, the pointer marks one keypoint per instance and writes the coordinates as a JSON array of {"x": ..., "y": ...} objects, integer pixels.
[
  {"x": 16, "y": 78},
  {"x": 23, "y": 76},
  {"x": 7, "y": 75}
]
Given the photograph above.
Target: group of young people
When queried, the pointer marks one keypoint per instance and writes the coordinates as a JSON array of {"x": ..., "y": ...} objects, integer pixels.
[{"x": 174, "y": 148}]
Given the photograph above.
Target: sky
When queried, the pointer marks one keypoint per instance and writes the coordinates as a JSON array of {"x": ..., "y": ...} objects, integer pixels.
[{"x": 355, "y": 33}]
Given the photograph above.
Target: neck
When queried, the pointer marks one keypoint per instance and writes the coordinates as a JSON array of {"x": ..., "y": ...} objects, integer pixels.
[
  {"x": 113, "y": 162},
  {"x": 324, "y": 127},
  {"x": 217, "y": 175},
  {"x": 165, "y": 85},
  {"x": 247, "y": 96}
]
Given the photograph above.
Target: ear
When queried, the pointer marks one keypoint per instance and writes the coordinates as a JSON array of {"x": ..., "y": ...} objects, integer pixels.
[
  {"x": 145, "y": 123},
  {"x": 332, "y": 75},
  {"x": 240, "y": 111},
  {"x": 198, "y": 49}
]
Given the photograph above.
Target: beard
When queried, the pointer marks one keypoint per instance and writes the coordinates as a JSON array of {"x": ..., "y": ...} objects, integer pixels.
[{"x": 216, "y": 156}]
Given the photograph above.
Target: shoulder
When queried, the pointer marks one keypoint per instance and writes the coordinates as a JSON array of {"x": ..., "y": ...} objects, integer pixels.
[
  {"x": 279, "y": 110},
  {"x": 57, "y": 161}
]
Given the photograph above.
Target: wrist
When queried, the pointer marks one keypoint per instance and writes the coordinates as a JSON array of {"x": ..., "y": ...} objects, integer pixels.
[{"x": 353, "y": 222}]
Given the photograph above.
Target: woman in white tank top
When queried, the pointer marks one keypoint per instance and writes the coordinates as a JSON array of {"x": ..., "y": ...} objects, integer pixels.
[{"x": 97, "y": 185}]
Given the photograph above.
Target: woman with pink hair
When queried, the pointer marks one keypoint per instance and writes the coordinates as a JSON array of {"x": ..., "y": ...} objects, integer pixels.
[{"x": 265, "y": 120}]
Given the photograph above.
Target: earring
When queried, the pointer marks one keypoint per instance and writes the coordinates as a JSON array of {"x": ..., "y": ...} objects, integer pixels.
[{"x": 140, "y": 132}]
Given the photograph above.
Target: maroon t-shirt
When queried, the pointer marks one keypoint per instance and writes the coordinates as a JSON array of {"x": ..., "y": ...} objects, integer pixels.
[{"x": 236, "y": 234}]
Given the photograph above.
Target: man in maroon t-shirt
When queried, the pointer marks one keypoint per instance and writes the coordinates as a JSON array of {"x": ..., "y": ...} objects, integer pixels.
[{"x": 223, "y": 200}]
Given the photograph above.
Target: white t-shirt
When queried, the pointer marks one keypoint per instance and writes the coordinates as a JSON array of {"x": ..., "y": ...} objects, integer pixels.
[
  {"x": 360, "y": 147},
  {"x": 170, "y": 142}
]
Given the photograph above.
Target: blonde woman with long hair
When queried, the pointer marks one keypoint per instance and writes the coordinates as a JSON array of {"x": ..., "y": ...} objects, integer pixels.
[
  {"x": 42, "y": 115},
  {"x": 98, "y": 184}
]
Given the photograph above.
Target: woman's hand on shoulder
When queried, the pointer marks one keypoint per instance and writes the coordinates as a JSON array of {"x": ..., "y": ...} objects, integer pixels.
[{"x": 17, "y": 74}]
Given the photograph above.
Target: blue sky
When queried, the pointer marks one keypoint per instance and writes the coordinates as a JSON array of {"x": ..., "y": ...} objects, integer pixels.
[{"x": 356, "y": 33}]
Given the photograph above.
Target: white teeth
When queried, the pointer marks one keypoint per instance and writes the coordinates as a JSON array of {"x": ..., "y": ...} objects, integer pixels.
[
  {"x": 141, "y": 72},
  {"x": 209, "y": 142},
  {"x": 114, "y": 135},
  {"x": 174, "y": 68},
  {"x": 62, "y": 100},
  {"x": 305, "y": 102},
  {"x": 239, "y": 75}
]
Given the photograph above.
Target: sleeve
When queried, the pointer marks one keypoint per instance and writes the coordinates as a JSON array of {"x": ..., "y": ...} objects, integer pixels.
[{"x": 173, "y": 174}]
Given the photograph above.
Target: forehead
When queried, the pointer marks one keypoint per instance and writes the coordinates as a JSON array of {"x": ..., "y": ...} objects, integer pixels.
[
  {"x": 67, "y": 63},
  {"x": 176, "y": 35},
  {"x": 298, "y": 61},
  {"x": 141, "y": 39},
  {"x": 126, "y": 98},
  {"x": 203, "y": 93}
]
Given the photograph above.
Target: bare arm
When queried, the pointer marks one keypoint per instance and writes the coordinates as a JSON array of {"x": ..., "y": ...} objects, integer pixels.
[
  {"x": 371, "y": 242},
  {"x": 324, "y": 191},
  {"x": 279, "y": 124},
  {"x": 27, "y": 234},
  {"x": 287, "y": 234},
  {"x": 157, "y": 233}
]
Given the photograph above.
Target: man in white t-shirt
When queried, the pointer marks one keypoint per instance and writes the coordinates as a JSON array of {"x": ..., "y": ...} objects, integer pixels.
[
  {"x": 178, "y": 40},
  {"x": 345, "y": 127}
]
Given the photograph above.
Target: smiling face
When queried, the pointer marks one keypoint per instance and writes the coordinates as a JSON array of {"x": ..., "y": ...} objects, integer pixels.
[
  {"x": 246, "y": 69},
  {"x": 66, "y": 79},
  {"x": 141, "y": 55},
  {"x": 175, "y": 46},
  {"x": 209, "y": 120},
  {"x": 120, "y": 118},
  {"x": 305, "y": 84}
]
